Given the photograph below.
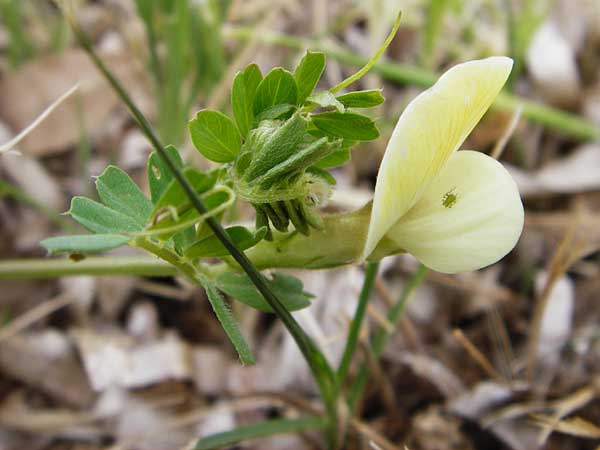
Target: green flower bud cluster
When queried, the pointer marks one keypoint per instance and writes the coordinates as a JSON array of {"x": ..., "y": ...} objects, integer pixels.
[{"x": 277, "y": 150}]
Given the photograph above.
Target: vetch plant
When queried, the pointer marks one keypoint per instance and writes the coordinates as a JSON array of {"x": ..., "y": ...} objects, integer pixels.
[{"x": 454, "y": 211}]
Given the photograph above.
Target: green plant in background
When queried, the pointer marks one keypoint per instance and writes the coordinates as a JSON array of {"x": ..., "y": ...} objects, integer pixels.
[
  {"x": 20, "y": 48},
  {"x": 15, "y": 15},
  {"x": 523, "y": 21},
  {"x": 185, "y": 56}
]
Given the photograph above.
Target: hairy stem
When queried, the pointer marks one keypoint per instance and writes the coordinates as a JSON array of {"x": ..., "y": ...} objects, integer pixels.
[{"x": 44, "y": 268}]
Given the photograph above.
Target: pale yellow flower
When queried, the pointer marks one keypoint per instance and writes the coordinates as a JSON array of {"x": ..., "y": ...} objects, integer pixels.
[{"x": 454, "y": 211}]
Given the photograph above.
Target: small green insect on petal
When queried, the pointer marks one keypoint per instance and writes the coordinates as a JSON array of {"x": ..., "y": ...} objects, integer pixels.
[{"x": 470, "y": 216}]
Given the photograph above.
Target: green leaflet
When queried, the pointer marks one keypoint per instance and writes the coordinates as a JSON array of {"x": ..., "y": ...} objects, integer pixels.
[
  {"x": 286, "y": 287},
  {"x": 174, "y": 194},
  {"x": 100, "y": 219},
  {"x": 159, "y": 175},
  {"x": 276, "y": 88},
  {"x": 335, "y": 159},
  {"x": 243, "y": 90},
  {"x": 346, "y": 125},
  {"x": 277, "y": 112},
  {"x": 118, "y": 191},
  {"x": 308, "y": 73},
  {"x": 215, "y": 136},
  {"x": 361, "y": 99},
  {"x": 326, "y": 99},
  {"x": 211, "y": 246},
  {"x": 84, "y": 243},
  {"x": 227, "y": 322}
]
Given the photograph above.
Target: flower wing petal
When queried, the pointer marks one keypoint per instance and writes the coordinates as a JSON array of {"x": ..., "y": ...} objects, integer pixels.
[
  {"x": 430, "y": 129},
  {"x": 470, "y": 216}
]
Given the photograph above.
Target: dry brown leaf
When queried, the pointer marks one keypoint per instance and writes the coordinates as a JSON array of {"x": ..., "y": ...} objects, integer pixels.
[
  {"x": 586, "y": 239},
  {"x": 46, "y": 362},
  {"x": 27, "y": 92},
  {"x": 577, "y": 172},
  {"x": 16, "y": 414}
]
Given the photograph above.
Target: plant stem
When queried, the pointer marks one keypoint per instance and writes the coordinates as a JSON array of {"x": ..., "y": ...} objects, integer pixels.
[
  {"x": 371, "y": 62},
  {"x": 355, "y": 326},
  {"x": 382, "y": 337},
  {"x": 317, "y": 362},
  {"x": 561, "y": 121},
  {"x": 261, "y": 429},
  {"x": 44, "y": 268}
]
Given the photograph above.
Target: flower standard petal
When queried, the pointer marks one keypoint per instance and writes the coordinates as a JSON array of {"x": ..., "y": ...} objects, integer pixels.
[
  {"x": 470, "y": 216},
  {"x": 432, "y": 126}
]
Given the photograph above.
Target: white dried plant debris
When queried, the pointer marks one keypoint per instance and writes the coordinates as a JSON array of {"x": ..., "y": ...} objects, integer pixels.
[
  {"x": 112, "y": 358},
  {"x": 82, "y": 290},
  {"x": 134, "y": 150},
  {"x": 555, "y": 327},
  {"x": 423, "y": 303},
  {"x": 113, "y": 293},
  {"x": 486, "y": 281},
  {"x": 280, "y": 367},
  {"x": 281, "y": 442},
  {"x": 591, "y": 104},
  {"x": 30, "y": 230},
  {"x": 31, "y": 176},
  {"x": 350, "y": 198},
  {"x": 577, "y": 172},
  {"x": 220, "y": 419},
  {"x": 110, "y": 403},
  {"x": 46, "y": 361},
  {"x": 483, "y": 399},
  {"x": 575, "y": 19},
  {"x": 145, "y": 427},
  {"x": 328, "y": 318},
  {"x": 551, "y": 61},
  {"x": 142, "y": 322},
  {"x": 210, "y": 369}
]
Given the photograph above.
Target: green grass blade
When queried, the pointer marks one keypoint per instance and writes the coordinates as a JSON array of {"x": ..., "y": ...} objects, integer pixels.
[
  {"x": 262, "y": 429},
  {"x": 382, "y": 336},
  {"x": 357, "y": 320}
]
